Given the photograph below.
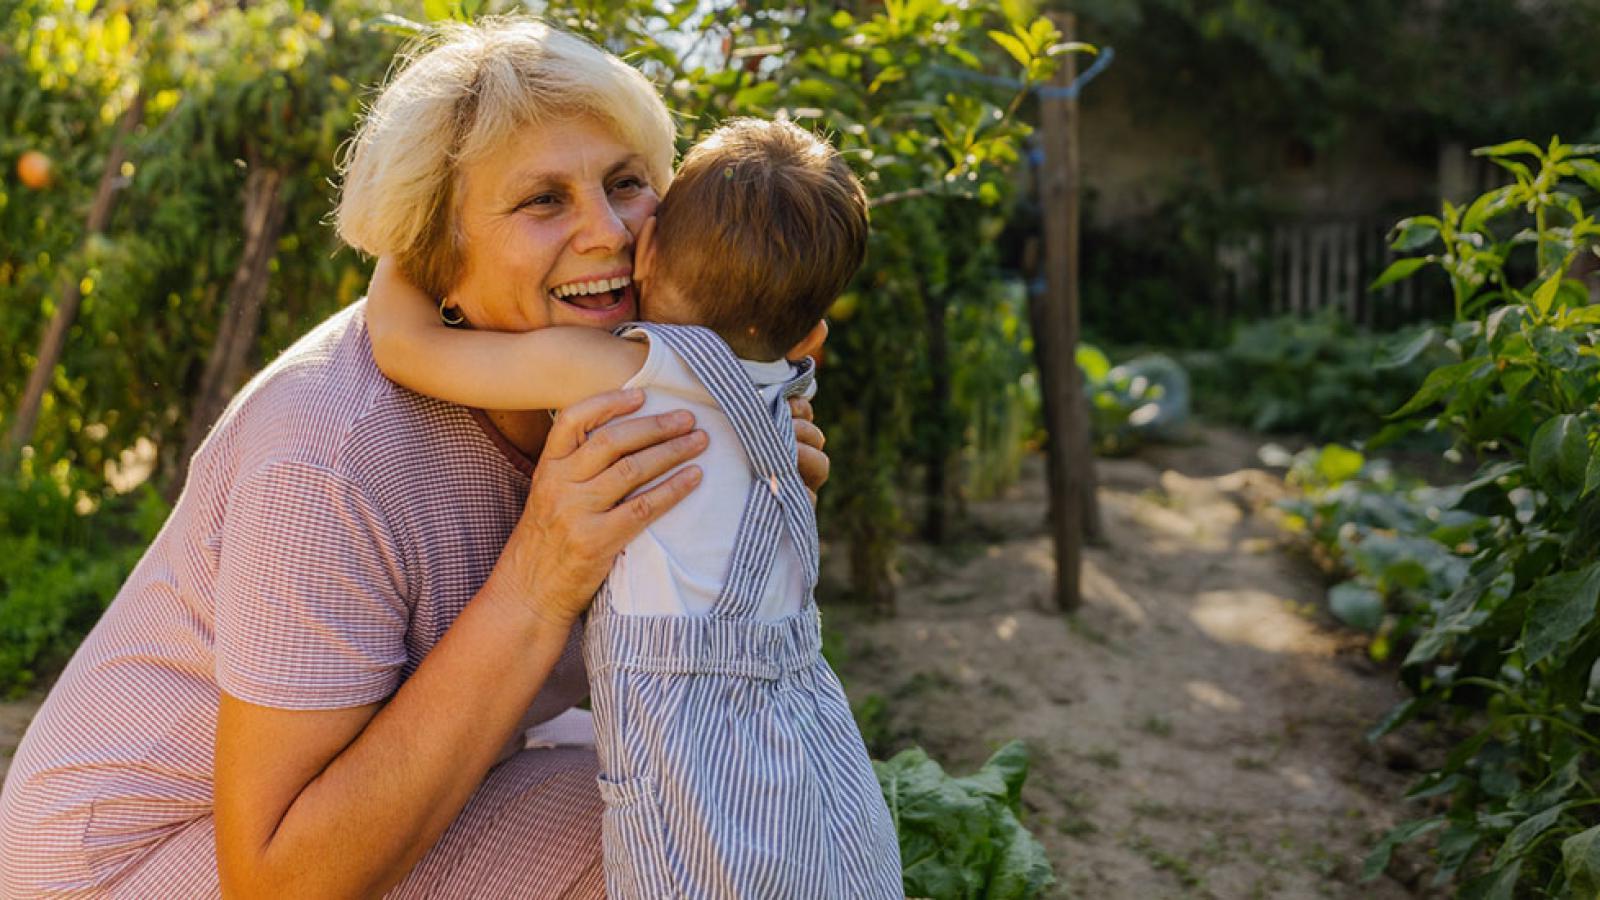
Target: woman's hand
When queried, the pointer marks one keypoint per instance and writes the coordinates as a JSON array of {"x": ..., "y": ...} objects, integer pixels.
[
  {"x": 579, "y": 516},
  {"x": 813, "y": 463}
]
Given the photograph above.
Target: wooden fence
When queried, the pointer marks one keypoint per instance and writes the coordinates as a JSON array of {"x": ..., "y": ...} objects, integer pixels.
[
  {"x": 1305, "y": 267},
  {"x": 1308, "y": 265}
]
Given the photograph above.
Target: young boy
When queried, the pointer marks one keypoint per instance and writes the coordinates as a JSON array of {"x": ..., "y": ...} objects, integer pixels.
[{"x": 731, "y": 765}]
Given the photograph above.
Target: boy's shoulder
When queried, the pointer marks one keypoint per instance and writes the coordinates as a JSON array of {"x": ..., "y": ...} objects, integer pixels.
[{"x": 682, "y": 357}]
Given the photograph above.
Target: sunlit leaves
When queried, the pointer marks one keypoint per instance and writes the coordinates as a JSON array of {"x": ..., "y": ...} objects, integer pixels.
[
  {"x": 1035, "y": 46},
  {"x": 1522, "y": 390},
  {"x": 225, "y": 87},
  {"x": 451, "y": 10}
]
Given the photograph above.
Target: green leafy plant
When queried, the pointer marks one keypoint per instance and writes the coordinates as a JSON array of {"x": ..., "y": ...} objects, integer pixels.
[
  {"x": 1511, "y": 657},
  {"x": 1320, "y": 376},
  {"x": 60, "y": 566},
  {"x": 1394, "y": 543},
  {"x": 960, "y": 838},
  {"x": 1120, "y": 401}
]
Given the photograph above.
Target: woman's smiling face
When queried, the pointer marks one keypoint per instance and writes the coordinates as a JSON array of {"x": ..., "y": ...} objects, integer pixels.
[{"x": 549, "y": 220}]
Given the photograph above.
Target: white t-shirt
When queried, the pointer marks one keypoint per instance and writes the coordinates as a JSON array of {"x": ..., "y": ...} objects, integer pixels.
[{"x": 678, "y": 565}]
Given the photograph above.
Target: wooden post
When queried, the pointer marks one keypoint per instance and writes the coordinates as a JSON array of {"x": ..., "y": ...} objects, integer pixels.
[
  {"x": 1317, "y": 283},
  {"x": 1072, "y": 495},
  {"x": 55, "y": 335},
  {"x": 939, "y": 445}
]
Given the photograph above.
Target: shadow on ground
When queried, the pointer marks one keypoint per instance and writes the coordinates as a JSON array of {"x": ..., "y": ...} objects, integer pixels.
[{"x": 1197, "y": 728}]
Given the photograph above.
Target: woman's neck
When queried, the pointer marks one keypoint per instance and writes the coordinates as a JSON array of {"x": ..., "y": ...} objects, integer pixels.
[{"x": 525, "y": 430}]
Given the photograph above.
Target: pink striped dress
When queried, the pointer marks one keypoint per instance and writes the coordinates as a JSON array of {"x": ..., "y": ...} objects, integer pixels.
[{"x": 334, "y": 525}]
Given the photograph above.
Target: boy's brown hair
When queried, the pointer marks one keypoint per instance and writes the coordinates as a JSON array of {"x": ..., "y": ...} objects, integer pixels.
[{"x": 763, "y": 227}]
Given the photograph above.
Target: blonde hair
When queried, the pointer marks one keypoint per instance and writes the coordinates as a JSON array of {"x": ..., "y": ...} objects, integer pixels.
[
  {"x": 764, "y": 227},
  {"x": 459, "y": 93}
]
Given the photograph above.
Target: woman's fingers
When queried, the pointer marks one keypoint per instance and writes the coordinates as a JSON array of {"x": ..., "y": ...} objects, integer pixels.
[
  {"x": 576, "y": 421},
  {"x": 637, "y": 512},
  {"x": 814, "y": 466},
  {"x": 637, "y": 469},
  {"x": 809, "y": 434},
  {"x": 812, "y": 462},
  {"x": 616, "y": 442},
  {"x": 800, "y": 408}
]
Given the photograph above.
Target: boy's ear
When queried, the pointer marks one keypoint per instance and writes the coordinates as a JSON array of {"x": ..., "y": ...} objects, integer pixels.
[
  {"x": 811, "y": 343},
  {"x": 644, "y": 250}
]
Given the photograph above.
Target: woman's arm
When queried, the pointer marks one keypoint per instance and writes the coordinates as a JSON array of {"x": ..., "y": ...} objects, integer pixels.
[
  {"x": 549, "y": 368},
  {"x": 345, "y": 802}
]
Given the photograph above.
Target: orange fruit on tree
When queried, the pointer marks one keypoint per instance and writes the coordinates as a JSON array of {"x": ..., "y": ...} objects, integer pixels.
[{"x": 35, "y": 169}]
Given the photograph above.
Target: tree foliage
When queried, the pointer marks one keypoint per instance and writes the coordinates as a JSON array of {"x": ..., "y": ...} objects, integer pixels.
[
  {"x": 920, "y": 96},
  {"x": 1408, "y": 72},
  {"x": 227, "y": 89}
]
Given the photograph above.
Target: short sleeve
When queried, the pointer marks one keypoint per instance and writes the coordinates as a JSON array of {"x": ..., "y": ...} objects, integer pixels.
[{"x": 310, "y": 612}]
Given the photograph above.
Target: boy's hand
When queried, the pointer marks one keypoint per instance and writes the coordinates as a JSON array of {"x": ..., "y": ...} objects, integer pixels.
[{"x": 813, "y": 463}]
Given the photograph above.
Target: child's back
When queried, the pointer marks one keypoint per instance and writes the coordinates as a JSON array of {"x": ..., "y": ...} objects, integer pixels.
[
  {"x": 731, "y": 764},
  {"x": 677, "y": 566}
]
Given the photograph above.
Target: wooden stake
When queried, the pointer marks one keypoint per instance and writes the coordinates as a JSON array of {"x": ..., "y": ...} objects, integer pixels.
[{"x": 1072, "y": 496}]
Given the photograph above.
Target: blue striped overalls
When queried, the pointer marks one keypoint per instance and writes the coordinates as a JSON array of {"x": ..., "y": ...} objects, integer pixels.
[{"x": 730, "y": 764}]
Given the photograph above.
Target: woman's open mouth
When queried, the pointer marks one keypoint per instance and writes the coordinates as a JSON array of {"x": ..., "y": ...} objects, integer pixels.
[{"x": 600, "y": 299}]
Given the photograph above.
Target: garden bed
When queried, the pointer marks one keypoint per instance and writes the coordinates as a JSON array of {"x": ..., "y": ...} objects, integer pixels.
[{"x": 1197, "y": 730}]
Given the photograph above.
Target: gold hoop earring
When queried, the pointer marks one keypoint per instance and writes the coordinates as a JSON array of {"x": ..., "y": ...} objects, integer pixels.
[{"x": 445, "y": 316}]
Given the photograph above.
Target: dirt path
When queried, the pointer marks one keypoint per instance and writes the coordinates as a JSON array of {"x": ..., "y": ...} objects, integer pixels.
[{"x": 1196, "y": 730}]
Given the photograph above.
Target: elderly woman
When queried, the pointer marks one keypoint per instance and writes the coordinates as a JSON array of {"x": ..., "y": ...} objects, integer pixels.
[{"x": 365, "y": 595}]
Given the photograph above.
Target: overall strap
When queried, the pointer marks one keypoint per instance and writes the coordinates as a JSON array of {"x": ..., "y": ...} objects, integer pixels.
[{"x": 778, "y": 497}]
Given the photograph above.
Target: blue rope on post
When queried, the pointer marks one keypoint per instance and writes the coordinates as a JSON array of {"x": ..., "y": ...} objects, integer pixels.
[
  {"x": 1045, "y": 91},
  {"x": 1071, "y": 91}
]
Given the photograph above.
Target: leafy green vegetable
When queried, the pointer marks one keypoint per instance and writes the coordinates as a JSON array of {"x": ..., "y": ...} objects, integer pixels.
[
  {"x": 1581, "y": 854},
  {"x": 1317, "y": 376},
  {"x": 960, "y": 838},
  {"x": 1356, "y": 606}
]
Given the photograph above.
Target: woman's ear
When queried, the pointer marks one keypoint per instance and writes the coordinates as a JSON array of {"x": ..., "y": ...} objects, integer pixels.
[
  {"x": 644, "y": 251},
  {"x": 812, "y": 343}
]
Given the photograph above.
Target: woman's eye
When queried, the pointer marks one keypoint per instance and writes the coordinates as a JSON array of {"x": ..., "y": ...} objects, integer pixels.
[
  {"x": 541, "y": 200},
  {"x": 630, "y": 183}
]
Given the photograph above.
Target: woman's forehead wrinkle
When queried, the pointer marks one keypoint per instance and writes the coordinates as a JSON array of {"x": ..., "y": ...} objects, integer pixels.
[
  {"x": 526, "y": 182},
  {"x": 582, "y": 164},
  {"x": 632, "y": 159}
]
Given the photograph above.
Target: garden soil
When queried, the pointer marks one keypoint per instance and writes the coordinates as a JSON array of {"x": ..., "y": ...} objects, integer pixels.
[{"x": 1195, "y": 729}]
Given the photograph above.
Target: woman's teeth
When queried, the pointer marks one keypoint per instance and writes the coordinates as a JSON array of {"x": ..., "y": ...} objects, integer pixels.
[{"x": 600, "y": 286}]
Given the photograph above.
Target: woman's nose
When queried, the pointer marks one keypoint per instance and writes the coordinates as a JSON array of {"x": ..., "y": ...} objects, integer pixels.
[{"x": 601, "y": 230}]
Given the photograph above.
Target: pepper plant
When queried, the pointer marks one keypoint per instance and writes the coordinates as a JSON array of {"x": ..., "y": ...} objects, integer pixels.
[{"x": 1510, "y": 658}]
